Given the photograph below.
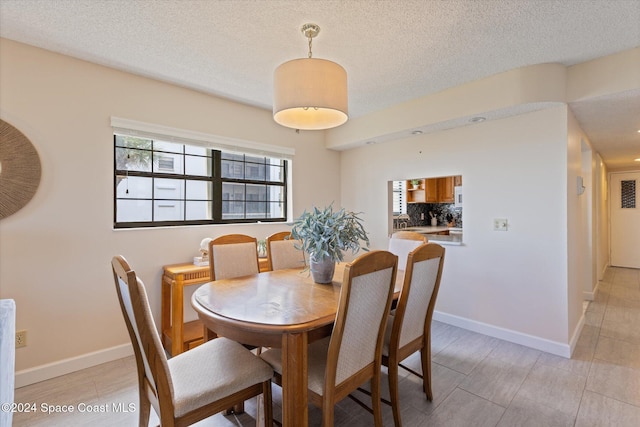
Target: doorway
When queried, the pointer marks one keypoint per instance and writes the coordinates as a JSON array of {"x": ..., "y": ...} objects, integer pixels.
[{"x": 625, "y": 219}]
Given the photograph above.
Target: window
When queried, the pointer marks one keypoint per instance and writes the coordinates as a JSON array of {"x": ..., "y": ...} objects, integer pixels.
[
  {"x": 399, "y": 202},
  {"x": 161, "y": 183},
  {"x": 628, "y": 194}
]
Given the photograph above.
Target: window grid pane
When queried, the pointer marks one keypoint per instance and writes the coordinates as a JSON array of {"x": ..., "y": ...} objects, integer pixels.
[
  {"x": 232, "y": 169},
  {"x": 165, "y": 183},
  {"x": 198, "y": 210},
  {"x": 168, "y": 163},
  {"x": 168, "y": 210}
]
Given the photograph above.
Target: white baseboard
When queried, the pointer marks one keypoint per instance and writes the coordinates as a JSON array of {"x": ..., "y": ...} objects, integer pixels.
[
  {"x": 576, "y": 334},
  {"x": 66, "y": 366},
  {"x": 590, "y": 296},
  {"x": 602, "y": 273},
  {"x": 553, "y": 347}
]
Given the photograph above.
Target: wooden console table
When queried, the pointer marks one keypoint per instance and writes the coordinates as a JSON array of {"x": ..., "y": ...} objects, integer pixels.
[{"x": 177, "y": 336}]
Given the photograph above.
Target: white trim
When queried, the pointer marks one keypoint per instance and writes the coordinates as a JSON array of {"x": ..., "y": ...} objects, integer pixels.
[
  {"x": 542, "y": 344},
  {"x": 66, "y": 366},
  {"x": 576, "y": 334},
  {"x": 171, "y": 134},
  {"x": 72, "y": 364},
  {"x": 590, "y": 296}
]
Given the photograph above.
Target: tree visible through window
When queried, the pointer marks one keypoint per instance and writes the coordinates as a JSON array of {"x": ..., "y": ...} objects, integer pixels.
[{"x": 160, "y": 183}]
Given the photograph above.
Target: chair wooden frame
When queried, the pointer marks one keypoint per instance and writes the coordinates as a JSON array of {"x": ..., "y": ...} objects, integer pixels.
[
  {"x": 155, "y": 388},
  {"x": 403, "y": 242},
  {"x": 409, "y": 235},
  {"x": 229, "y": 239},
  {"x": 422, "y": 343},
  {"x": 371, "y": 262},
  {"x": 282, "y": 235}
]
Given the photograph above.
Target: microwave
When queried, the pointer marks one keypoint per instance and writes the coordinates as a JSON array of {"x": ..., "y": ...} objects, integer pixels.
[{"x": 457, "y": 191}]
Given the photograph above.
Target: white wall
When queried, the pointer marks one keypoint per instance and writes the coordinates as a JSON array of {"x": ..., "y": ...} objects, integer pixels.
[
  {"x": 55, "y": 253},
  {"x": 602, "y": 217},
  {"x": 586, "y": 236},
  {"x": 514, "y": 283},
  {"x": 579, "y": 225}
]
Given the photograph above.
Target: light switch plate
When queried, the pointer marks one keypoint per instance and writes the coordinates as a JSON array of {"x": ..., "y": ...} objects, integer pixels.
[{"x": 500, "y": 224}]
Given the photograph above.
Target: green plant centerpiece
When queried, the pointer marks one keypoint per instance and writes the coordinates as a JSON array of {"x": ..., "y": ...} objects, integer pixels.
[{"x": 325, "y": 234}]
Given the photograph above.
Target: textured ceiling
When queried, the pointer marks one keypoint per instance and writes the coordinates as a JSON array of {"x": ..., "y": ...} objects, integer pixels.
[{"x": 393, "y": 51}]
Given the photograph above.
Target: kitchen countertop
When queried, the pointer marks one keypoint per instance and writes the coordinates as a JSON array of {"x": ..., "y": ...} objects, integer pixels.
[
  {"x": 428, "y": 229},
  {"x": 452, "y": 239}
]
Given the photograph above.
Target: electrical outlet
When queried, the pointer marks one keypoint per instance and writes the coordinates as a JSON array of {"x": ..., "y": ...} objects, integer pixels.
[
  {"x": 21, "y": 338},
  {"x": 500, "y": 224}
]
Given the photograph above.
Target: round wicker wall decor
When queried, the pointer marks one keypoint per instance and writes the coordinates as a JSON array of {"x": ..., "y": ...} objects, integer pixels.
[{"x": 19, "y": 170}]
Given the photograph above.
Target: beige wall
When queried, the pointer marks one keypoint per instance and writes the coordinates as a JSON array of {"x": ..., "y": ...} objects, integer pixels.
[
  {"x": 523, "y": 285},
  {"x": 55, "y": 252},
  {"x": 604, "y": 76},
  {"x": 510, "y": 284},
  {"x": 520, "y": 90},
  {"x": 602, "y": 217},
  {"x": 579, "y": 221},
  {"x": 580, "y": 242}
]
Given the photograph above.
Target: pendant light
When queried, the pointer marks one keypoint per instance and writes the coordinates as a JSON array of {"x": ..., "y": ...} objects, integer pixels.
[{"x": 310, "y": 93}]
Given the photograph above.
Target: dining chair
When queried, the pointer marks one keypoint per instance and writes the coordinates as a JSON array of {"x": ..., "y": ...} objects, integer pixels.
[
  {"x": 409, "y": 325},
  {"x": 233, "y": 255},
  {"x": 403, "y": 242},
  {"x": 192, "y": 385},
  {"x": 282, "y": 253},
  {"x": 351, "y": 356}
]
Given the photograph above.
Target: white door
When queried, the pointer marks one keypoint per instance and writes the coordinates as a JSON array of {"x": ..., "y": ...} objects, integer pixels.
[{"x": 624, "y": 192}]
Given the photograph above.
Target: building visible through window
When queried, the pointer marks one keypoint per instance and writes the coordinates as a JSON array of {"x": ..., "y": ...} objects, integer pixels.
[
  {"x": 399, "y": 200},
  {"x": 160, "y": 183},
  {"x": 165, "y": 163}
]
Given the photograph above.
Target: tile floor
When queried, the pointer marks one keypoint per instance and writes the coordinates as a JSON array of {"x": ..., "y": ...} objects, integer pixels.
[{"x": 477, "y": 380}]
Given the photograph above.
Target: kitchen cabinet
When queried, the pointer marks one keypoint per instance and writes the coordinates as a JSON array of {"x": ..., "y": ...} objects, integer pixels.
[
  {"x": 416, "y": 194},
  {"x": 445, "y": 190},
  {"x": 433, "y": 190}
]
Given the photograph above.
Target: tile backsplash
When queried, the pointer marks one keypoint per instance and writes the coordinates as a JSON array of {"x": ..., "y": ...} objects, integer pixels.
[{"x": 445, "y": 212}]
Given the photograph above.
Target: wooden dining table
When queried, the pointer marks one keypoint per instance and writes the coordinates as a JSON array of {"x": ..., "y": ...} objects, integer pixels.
[{"x": 283, "y": 309}]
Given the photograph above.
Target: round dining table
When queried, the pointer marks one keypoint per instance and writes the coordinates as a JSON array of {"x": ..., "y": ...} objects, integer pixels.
[{"x": 284, "y": 309}]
